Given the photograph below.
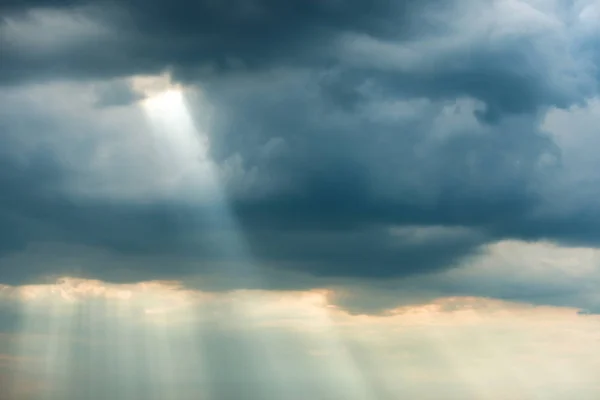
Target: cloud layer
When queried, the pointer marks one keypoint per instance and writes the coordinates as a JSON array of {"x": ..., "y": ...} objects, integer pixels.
[{"x": 348, "y": 142}]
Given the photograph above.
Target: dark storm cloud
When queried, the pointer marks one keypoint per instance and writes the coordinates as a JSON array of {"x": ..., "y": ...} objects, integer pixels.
[
  {"x": 150, "y": 36},
  {"x": 509, "y": 74},
  {"x": 333, "y": 225},
  {"x": 175, "y": 240},
  {"x": 23, "y": 190},
  {"x": 354, "y": 166},
  {"x": 34, "y": 211},
  {"x": 349, "y": 185},
  {"x": 337, "y": 218},
  {"x": 341, "y": 120}
]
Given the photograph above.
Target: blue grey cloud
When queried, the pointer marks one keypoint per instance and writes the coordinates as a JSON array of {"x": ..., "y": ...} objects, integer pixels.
[{"x": 336, "y": 125}]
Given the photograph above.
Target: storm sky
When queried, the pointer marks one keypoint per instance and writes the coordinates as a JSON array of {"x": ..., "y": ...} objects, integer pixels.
[{"x": 326, "y": 199}]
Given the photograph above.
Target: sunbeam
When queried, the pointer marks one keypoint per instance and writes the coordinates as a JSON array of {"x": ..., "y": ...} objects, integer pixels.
[
  {"x": 339, "y": 373},
  {"x": 161, "y": 341},
  {"x": 123, "y": 338},
  {"x": 180, "y": 149},
  {"x": 167, "y": 110},
  {"x": 47, "y": 315},
  {"x": 97, "y": 340},
  {"x": 184, "y": 148}
]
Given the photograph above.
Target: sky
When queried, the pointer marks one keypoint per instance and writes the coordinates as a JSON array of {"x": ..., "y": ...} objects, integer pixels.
[{"x": 302, "y": 199}]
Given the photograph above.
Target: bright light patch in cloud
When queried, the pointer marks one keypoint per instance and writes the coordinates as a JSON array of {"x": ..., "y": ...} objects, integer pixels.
[{"x": 180, "y": 146}]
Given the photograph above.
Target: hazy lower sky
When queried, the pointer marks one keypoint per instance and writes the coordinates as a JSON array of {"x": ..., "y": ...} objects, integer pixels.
[{"x": 301, "y": 199}]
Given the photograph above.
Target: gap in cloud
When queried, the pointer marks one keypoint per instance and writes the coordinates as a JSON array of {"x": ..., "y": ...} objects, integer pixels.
[{"x": 181, "y": 146}]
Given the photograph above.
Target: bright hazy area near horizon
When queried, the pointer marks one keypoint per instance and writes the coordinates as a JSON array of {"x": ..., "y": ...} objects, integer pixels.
[{"x": 301, "y": 199}]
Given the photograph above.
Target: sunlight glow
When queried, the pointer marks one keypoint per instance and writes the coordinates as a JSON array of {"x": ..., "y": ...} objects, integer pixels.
[
  {"x": 97, "y": 340},
  {"x": 181, "y": 148}
]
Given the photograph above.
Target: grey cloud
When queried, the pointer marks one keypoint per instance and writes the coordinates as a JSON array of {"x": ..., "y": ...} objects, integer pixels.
[
  {"x": 185, "y": 240},
  {"x": 515, "y": 72},
  {"x": 347, "y": 189},
  {"x": 329, "y": 139},
  {"x": 538, "y": 273},
  {"x": 403, "y": 167},
  {"x": 117, "y": 93},
  {"x": 317, "y": 188},
  {"x": 155, "y": 35}
]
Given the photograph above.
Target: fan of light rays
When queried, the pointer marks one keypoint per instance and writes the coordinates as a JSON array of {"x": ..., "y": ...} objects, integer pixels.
[
  {"x": 336, "y": 370},
  {"x": 46, "y": 313},
  {"x": 171, "y": 345},
  {"x": 95, "y": 340},
  {"x": 124, "y": 339}
]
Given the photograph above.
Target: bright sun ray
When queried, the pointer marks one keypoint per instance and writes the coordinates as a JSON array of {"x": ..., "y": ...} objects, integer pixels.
[
  {"x": 97, "y": 339},
  {"x": 343, "y": 377},
  {"x": 47, "y": 319},
  {"x": 183, "y": 148},
  {"x": 123, "y": 335}
]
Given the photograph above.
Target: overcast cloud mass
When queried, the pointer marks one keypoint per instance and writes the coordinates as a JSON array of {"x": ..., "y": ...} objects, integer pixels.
[{"x": 333, "y": 198}]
